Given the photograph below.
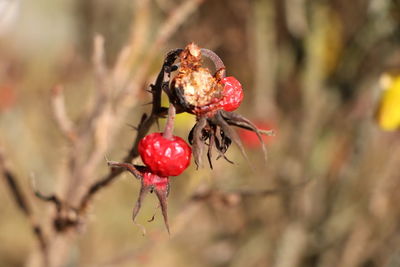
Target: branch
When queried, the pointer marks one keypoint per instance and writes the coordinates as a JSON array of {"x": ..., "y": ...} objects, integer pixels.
[
  {"x": 63, "y": 121},
  {"x": 177, "y": 17},
  {"x": 23, "y": 205},
  {"x": 103, "y": 182},
  {"x": 51, "y": 198},
  {"x": 168, "y": 28},
  {"x": 101, "y": 78}
]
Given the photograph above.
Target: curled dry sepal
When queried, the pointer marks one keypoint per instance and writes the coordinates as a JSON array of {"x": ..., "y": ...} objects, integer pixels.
[{"x": 195, "y": 89}]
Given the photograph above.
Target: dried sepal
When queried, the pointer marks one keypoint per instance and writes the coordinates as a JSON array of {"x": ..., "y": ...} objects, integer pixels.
[
  {"x": 217, "y": 132},
  {"x": 230, "y": 133},
  {"x": 150, "y": 183},
  {"x": 138, "y": 205},
  {"x": 242, "y": 122},
  {"x": 198, "y": 140},
  {"x": 162, "y": 195}
]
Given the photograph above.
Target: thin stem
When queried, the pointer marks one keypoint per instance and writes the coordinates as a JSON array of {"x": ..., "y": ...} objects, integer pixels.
[
  {"x": 169, "y": 126},
  {"x": 219, "y": 64}
]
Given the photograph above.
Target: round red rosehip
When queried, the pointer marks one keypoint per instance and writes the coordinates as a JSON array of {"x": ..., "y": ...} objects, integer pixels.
[
  {"x": 232, "y": 94},
  {"x": 165, "y": 157}
]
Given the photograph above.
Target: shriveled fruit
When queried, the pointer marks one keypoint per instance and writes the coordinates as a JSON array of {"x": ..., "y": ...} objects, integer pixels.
[{"x": 194, "y": 87}]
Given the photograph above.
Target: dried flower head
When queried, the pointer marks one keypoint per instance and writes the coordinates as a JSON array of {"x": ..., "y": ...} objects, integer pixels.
[
  {"x": 195, "y": 86},
  {"x": 212, "y": 98}
]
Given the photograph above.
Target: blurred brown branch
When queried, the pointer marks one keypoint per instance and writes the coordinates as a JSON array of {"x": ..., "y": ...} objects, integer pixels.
[
  {"x": 22, "y": 203},
  {"x": 90, "y": 137},
  {"x": 64, "y": 122}
]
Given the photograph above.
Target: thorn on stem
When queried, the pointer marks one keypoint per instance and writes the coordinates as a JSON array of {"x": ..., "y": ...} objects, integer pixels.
[{"x": 132, "y": 127}]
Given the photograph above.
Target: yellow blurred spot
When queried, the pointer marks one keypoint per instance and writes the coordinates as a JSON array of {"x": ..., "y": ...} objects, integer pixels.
[
  {"x": 183, "y": 121},
  {"x": 388, "y": 115},
  {"x": 332, "y": 43}
]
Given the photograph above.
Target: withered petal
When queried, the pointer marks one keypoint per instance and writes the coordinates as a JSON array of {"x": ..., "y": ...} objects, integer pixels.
[
  {"x": 162, "y": 198},
  {"x": 242, "y": 122},
  {"x": 229, "y": 132}
]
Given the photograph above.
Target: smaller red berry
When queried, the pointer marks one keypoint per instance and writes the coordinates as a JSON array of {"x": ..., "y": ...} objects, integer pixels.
[
  {"x": 232, "y": 94},
  {"x": 165, "y": 157}
]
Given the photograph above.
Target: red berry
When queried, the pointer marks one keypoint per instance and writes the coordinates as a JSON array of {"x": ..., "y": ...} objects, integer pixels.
[
  {"x": 232, "y": 94},
  {"x": 165, "y": 157}
]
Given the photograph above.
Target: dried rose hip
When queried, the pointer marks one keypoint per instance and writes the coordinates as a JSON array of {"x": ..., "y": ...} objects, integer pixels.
[
  {"x": 195, "y": 88},
  {"x": 165, "y": 157},
  {"x": 232, "y": 94},
  {"x": 212, "y": 98}
]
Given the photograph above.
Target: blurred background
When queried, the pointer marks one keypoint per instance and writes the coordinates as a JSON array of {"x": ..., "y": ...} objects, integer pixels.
[{"x": 322, "y": 74}]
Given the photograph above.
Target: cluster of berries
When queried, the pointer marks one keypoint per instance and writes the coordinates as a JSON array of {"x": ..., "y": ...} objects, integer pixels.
[
  {"x": 167, "y": 155},
  {"x": 211, "y": 98}
]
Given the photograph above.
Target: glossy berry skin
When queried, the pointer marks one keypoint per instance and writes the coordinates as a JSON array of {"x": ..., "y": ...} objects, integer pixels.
[
  {"x": 165, "y": 157},
  {"x": 232, "y": 94}
]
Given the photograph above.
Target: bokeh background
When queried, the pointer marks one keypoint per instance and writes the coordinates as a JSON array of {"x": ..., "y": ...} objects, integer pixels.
[{"x": 312, "y": 70}]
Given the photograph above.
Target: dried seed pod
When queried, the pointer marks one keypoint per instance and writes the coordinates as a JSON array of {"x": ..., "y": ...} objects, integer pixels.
[
  {"x": 194, "y": 87},
  {"x": 211, "y": 97}
]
